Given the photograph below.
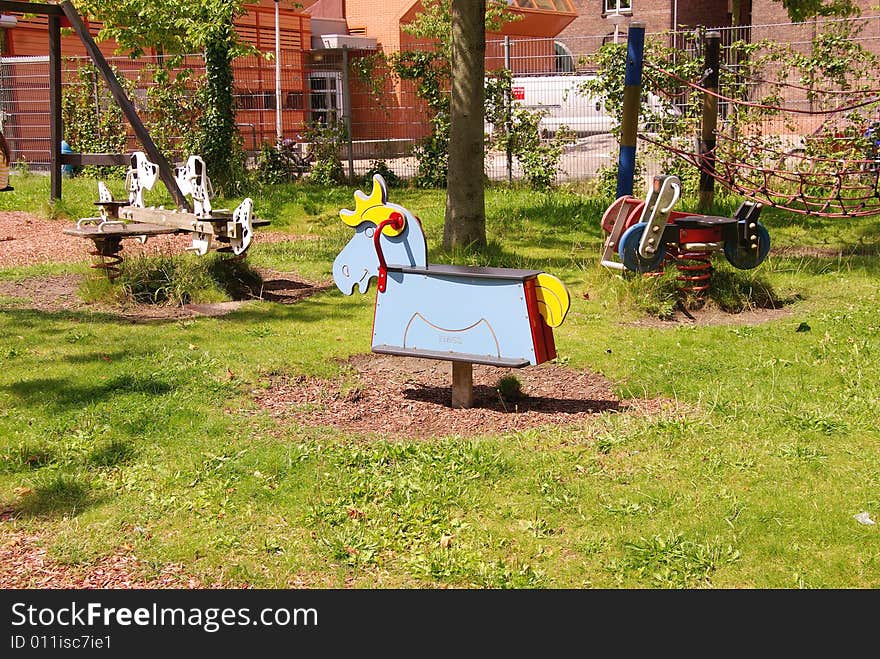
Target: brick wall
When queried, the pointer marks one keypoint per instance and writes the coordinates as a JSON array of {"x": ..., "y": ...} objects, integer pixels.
[{"x": 656, "y": 14}]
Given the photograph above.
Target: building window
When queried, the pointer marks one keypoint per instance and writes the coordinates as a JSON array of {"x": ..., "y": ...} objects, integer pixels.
[
  {"x": 325, "y": 97},
  {"x": 294, "y": 101},
  {"x": 564, "y": 58},
  {"x": 617, "y": 6},
  {"x": 256, "y": 100}
]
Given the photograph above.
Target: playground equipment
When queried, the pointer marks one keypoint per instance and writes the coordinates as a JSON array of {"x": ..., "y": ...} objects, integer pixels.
[
  {"x": 643, "y": 234},
  {"x": 131, "y": 218},
  {"x": 466, "y": 315}
]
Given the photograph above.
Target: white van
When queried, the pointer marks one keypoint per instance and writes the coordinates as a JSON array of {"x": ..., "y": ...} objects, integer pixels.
[{"x": 564, "y": 103}]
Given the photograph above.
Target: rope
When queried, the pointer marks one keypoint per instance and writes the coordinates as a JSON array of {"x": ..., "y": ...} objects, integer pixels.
[
  {"x": 754, "y": 181},
  {"x": 760, "y": 106},
  {"x": 843, "y": 92}
]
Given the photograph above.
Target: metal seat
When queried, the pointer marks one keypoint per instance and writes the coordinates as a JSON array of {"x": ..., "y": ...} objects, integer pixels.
[{"x": 703, "y": 221}]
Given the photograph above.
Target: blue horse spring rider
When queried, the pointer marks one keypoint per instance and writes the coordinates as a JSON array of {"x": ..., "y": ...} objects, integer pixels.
[{"x": 467, "y": 315}]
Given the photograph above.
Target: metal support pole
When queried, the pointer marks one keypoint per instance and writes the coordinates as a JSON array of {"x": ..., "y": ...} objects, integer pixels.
[
  {"x": 346, "y": 112},
  {"x": 632, "y": 92},
  {"x": 279, "y": 129},
  {"x": 710, "y": 121},
  {"x": 508, "y": 110},
  {"x": 55, "y": 128}
]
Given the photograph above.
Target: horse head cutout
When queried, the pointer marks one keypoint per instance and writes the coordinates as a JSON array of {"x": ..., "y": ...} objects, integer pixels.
[{"x": 402, "y": 240}]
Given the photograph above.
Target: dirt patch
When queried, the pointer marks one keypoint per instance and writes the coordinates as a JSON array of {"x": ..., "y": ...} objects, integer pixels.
[
  {"x": 53, "y": 293},
  {"x": 24, "y": 564},
  {"x": 714, "y": 316},
  {"x": 26, "y": 239},
  {"x": 59, "y": 293},
  {"x": 283, "y": 288},
  {"x": 406, "y": 397}
]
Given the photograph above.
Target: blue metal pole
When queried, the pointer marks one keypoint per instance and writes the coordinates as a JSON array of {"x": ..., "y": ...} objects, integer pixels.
[{"x": 632, "y": 92}]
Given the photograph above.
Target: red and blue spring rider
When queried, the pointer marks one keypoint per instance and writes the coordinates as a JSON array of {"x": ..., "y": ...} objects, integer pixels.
[{"x": 645, "y": 234}]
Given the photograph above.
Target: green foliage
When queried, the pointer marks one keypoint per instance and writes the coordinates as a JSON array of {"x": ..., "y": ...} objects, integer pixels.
[
  {"x": 518, "y": 129},
  {"x": 675, "y": 562},
  {"x": 381, "y": 167},
  {"x": 272, "y": 166},
  {"x": 218, "y": 141},
  {"x": 325, "y": 142},
  {"x": 373, "y": 72},
  {"x": 171, "y": 27},
  {"x": 801, "y": 10},
  {"x": 281, "y": 163},
  {"x": 93, "y": 121},
  {"x": 608, "y": 85},
  {"x": 172, "y": 110},
  {"x": 434, "y": 22},
  {"x": 654, "y": 295},
  {"x": 730, "y": 290},
  {"x": 509, "y": 387},
  {"x": 430, "y": 70},
  {"x": 734, "y": 291},
  {"x": 174, "y": 28},
  {"x": 835, "y": 61}
]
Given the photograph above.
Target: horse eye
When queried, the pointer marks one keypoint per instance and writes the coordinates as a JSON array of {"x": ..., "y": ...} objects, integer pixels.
[{"x": 370, "y": 232}]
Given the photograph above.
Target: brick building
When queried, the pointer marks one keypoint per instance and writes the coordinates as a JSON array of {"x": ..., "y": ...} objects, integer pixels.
[
  {"x": 24, "y": 98},
  {"x": 319, "y": 38},
  {"x": 598, "y": 17},
  {"x": 383, "y": 22}
]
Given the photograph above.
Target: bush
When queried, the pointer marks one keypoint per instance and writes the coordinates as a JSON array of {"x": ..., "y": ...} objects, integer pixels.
[
  {"x": 324, "y": 143},
  {"x": 381, "y": 167},
  {"x": 175, "y": 280},
  {"x": 509, "y": 388}
]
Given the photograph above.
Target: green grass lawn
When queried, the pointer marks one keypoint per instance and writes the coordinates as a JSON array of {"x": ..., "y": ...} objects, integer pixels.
[{"x": 115, "y": 434}]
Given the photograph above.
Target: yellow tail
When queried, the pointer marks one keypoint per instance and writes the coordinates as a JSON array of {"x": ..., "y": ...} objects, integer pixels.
[{"x": 553, "y": 299}]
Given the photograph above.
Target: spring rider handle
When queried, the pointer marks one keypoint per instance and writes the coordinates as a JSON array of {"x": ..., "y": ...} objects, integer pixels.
[{"x": 395, "y": 221}]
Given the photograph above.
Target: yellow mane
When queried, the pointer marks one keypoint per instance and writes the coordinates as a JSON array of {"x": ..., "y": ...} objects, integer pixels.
[{"x": 371, "y": 208}]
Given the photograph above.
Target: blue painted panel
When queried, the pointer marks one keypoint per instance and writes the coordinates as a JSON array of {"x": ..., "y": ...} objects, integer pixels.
[{"x": 454, "y": 314}]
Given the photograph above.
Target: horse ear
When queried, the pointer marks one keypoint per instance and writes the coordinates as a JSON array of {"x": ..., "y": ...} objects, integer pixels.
[
  {"x": 379, "y": 181},
  {"x": 363, "y": 202}
]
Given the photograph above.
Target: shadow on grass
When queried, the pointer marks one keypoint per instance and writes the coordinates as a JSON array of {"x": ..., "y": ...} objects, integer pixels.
[
  {"x": 487, "y": 397},
  {"x": 322, "y": 301},
  {"x": 98, "y": 356},
  {"x": 56, "y": 494},
  {"x": 111, "y": 453},
  {"x": 63, "y": 394}
]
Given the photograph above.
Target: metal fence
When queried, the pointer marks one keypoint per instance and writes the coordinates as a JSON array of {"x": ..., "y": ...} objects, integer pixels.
[{"x": 386, "y": 118}]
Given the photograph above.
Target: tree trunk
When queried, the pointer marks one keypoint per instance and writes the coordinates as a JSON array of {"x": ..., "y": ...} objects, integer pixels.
[{"x": 465, "y": 222}]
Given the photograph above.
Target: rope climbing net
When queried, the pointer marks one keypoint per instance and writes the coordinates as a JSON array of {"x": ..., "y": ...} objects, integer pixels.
[{"x": 833, "y": 171}]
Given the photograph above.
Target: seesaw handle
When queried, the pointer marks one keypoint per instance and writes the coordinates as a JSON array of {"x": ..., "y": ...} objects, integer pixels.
[{"x": 395, "y": 221}]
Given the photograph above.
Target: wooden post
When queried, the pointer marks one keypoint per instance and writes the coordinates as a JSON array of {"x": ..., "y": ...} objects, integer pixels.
[
  {"x": 710, "y": 121},
  {"x": 55, "y": 128},
  {"x": 462, "y": 385},
  {"x": 125, "y": 105},
  {"x": 632, "y": 99}
]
